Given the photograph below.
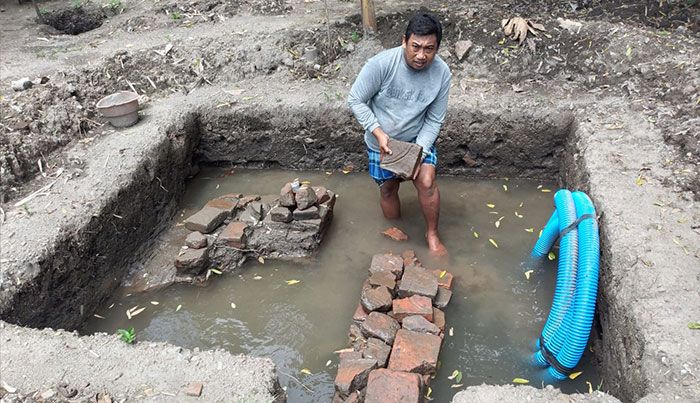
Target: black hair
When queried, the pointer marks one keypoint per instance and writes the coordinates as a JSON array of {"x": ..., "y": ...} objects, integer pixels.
[{"x": 424, "y": 24}]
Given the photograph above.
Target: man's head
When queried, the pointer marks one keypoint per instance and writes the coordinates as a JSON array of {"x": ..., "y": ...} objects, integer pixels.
[{"x": 422, "y": 40}]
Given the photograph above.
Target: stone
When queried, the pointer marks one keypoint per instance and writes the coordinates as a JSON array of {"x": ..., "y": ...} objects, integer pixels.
[
  {"x": 409, "y": 258},
  {"x": 322, "y": 194},
  {"x": 280, "y": 214},
  {"x": 191, "y": 261},
  {"x": 327, "y": 207},
  {"x": 360, "y": 314},
  {"x": 439, "y": 319},
  {"x": 227, "y": 204},
  {"x": 206, "y": 220},
  {"x": 384, "y": 386},
  {"x": 386, "y": 262},
  {"x": 22, "y": 84},
  {"x": 352, "y": 375},
  {"x": 446, "y": 280},
  {"x": 442, "y": 298},
  {"x": 247, "y": 199},
  {"x": 417, "y": 323},
  {"x": 384, "y": 279},
  {"x": 287, "y": 196},
  {"x": 413, "y": 305},
  {"x": 381, "y": 326},
  {"x": 378, "y": 350},
  {"x": 462, "y": 48},
  {"x": 310, "y": 213},
  {"x": 194, "y": 389},
  {"x": 376, "y": 299},
  {"x": 356, "y": 336},
  {"x": 415, "y": 352},
  {"x": 418, "y": 281},
  {"x": 234, "y": 234},
  {"x": 253, "y": 213},
  {"x": 350, "y": 355},
  {"x": 469, "y": 160},
  {"x": 395, "y": 234},
  {"x": 195, "y": 240},
  {"x": 305, "y": 197}
]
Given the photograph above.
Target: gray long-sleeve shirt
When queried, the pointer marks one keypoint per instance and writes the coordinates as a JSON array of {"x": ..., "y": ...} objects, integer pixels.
[{"x": 408, "y": 104}]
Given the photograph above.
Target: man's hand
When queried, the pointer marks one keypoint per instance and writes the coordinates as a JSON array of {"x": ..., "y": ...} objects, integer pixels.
[{"x": 383, "y": 140}]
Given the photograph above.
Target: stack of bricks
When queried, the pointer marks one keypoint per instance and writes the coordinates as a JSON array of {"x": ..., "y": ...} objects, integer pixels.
[{"x": 397, "y": 332}]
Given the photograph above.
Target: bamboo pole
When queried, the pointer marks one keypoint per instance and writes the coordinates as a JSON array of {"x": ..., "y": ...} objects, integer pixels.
[{"x": 369, "y": 20}]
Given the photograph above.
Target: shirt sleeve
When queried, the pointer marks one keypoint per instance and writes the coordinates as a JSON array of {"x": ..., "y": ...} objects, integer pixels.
[
  {"x": 366, "y": 86},
  {"x": 434, "y": 116}
]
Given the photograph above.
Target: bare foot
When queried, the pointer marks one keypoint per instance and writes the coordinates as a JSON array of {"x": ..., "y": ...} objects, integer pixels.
[{"x": 435, "y": 245}]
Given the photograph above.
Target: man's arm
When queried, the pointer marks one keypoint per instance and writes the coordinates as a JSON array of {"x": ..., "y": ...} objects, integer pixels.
[
  {"x": 434, "y": 117},
  {"x": 366, "y": 86}
]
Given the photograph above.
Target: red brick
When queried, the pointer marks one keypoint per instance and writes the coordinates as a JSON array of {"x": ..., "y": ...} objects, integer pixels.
[
  {"x": 388, "y": 263},
  {"x": 409, "y": 258},
  {"x": 395, "y": 234},
  {"x": 418, "y": 281},
  {"x": 191, "y": 261},
  {"x": 360, "y": 314},
  {"x": 228, "y": 205},
  {"x": 446, "y": 280},
  {"x": 414, "y": 305},
  {"x": 415, "y": 352},
  {"x": 206, "y": 220},
  {"x": 376, "y": 299},
  {"x": 194, "y": 389},
  {"x": 234, "y": 234},
  {"x": 380, "y": 326},
  {"x": 352, "y": 375},
  {"x": 439, "y": 319},
  {"x": 287, "y": 196},
  {"x": 385, "y": 386},
  {"x": 442, "y": 298},
  {"x": 383, "y": 278},
  {"x": 378, "y": 350}
]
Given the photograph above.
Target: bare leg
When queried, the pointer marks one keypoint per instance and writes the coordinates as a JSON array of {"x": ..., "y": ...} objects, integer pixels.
[
  {"x": 389, "y": 193},
  {"x": 429, "y": 197}
]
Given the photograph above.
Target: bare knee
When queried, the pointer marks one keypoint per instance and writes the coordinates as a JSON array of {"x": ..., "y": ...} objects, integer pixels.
[
  {"x": 389, "y": 190},
  {"x": 426, "y": 185}
]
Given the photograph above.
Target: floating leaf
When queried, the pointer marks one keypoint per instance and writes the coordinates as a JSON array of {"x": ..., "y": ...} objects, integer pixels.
[
  {"x": 155, "y": 302},
  {"x": 454, "y": 375},
  {"x": 178, "y": 308},
  {"x": 574, "y": 375},
  {"x": 215, "y": 271},
  {"x": 495, "y": 245},
  {"x": 136, "y": 312},
  {"x": 518, "y": 215},
  {"x": 442, "y": 273},
  {"x": 520, "y": 381},
  {"x": 694, "y": 325},
  {"x": 102, "y": 317},
  {"x": 430, "y": 391},
  {"x": 233, "y": 305},
  {"x": 261, "y": 260},
  {"x": 257, "y": 278},
  {"x": 329, "y": 173},
  {"x": 292, "y": 282},
  {"x": 590, "y": 387},
  {"x": 128, "y": 313},
  {"x": 521, "y": 204},
  {"x": 505, "y": 187},
  {"x": 527, "y": 274},
  {"x": 452, "y": 331},
  {"x": 476, "y": 234},
  {"x": 497, "y": 223},
  {"x": 551, "y": 256},
  {"x": 457, "y": 385},
  {"x": 305, "y": 371},
  {"x": 306, "y": 182},
  {"x": 545, "y": 190},
  {"x": 539, "y": 186},
  {"x": 346, "y": 171},
  {"x": 328, "y": 363},
  {"x": 490, "y": 205},
  {"x": 529, "y": 230}
]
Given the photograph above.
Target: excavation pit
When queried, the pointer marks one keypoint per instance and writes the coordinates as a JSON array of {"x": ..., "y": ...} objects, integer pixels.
[{"x": 87, "y": 255}]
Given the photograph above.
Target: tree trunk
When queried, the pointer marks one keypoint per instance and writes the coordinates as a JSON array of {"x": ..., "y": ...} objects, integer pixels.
[{"x": 369, "y": 21}]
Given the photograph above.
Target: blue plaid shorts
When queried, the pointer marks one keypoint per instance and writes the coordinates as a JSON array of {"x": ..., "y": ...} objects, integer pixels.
[{"x": 382, "y": 175}]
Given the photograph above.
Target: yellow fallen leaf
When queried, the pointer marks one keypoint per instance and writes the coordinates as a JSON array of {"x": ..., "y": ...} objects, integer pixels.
[
  {"x": 305, "y": 182},
  {"x": 551, "y": 256},
  {"x": 476, "y": 234},
  {"x": 590, "y": 387},
  {"x": 497, "y": 223},
  {"x": 540, "y": 234},
  {"x": 292, "y": 282},
  {"x": 457, "y": 385},
  {"x": 233, "y": 305},
  {"x": 136, "y": 312},
  {"x": 521, "y": 204},
  {"x": 178, "y": 308},
  {"x": 329, "y": 173},
  {"x": 493, "y": 243},
  {"x": 529, "y": 230},
  {"x": 128, "y": 313},
  {"x": 454, "y": 375},
  {"x": 545, "y": 190},
  {"x": 261, "y": 260},
  {"x": 641, "y": 180},
  {"x": 518, "y": 215},
  {"x": 539, "y": 186},
  {"x": 328, "y": 363},
  {"x": 430, "y": 391},
  {"x": 505, "y": 188},
  {"x": 155, "y": 302},
  {"x": 527, "y": 274},
  {"x": 442, "y": 273},
  {"x": 490, "y": 205},
  {"x": 305, "y": 371},
  {"x": 345, "y": 171},
  {"x": 215, "y": 271},
  {"x": 574, "y": 375},
  {"x": 520, "y": 381},
  {"x": 98, "y": 316}
]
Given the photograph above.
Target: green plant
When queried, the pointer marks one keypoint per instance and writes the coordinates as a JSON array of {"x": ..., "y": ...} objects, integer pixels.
[
  {"x": 128, "y": 336},
  {"x": 114, "y": 5},
  {"x": 175, "y": 15},
  {"x": 355, "y": 37}
]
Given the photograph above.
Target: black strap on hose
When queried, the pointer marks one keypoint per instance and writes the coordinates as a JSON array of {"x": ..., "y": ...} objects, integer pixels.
[
  {"x": 552, "y": 360},
  {"x": 575, "y": 224}
]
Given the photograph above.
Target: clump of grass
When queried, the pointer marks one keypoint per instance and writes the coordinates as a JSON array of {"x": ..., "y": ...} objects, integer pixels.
[{"x": 128, "y": 336}]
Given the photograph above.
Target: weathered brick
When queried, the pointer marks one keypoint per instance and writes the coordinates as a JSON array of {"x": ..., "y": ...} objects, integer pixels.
[
  {"x": 378, "y": 350},
  {"x": 287, "y": 196},
  {"x": 356, "y": 337},
  {"x": 442, "y": 298},
  {"x": 376, "y": 299},
  {"x": 226, "y": 204},
  {"x": 395, "y": 233},
  {"x": 234, "y": 234},
  {"x": 192, "y": 261},
  {"x": 196, "y": 240},
  {"x": 350, "y": 355},
  {"x": 409, "y": 258},
  {"x": 206, "y": 220},
  {"x": 322, "y": 195},
  {"x": 384, "y": 279},
  {"x": 280, "y": 214},
  {"x": 388, "y": 263},
  {"x": 305, "y": 197},
  {"x": 310, "y": 213},
  {"x": 418, "y": 281},
  {"x": 446, "y": 280},
  {"x": 381, "y": 326},
  {"x": 413, "y": 305},
  {"x": 352, "y": 375},
  {"x": 247, "y": 199},
  {"x": 253, "y": 213},
  {"x": 194, "y": 389},
  {"x": 439, "y": 319},
  {"x": 415, "y": 352},
  {"x": 360, "y": 313},
  {"x": 419, "y": 324},
  {"x": 386, "y": 386}
]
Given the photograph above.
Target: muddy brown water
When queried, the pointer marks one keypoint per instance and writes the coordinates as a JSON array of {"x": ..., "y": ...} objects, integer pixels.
[{"x": 494, "y": 317}]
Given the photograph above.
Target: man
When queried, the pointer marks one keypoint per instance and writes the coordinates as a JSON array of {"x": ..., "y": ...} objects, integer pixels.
[{"x": 402, "y": 93}]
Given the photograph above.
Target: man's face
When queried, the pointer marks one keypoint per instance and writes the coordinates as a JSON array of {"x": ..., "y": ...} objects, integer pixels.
[{"x": 420, "y": 50}]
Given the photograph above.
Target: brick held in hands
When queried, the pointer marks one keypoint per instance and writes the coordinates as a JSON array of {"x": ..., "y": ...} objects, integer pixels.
[{"x": 404, "y": 158}]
